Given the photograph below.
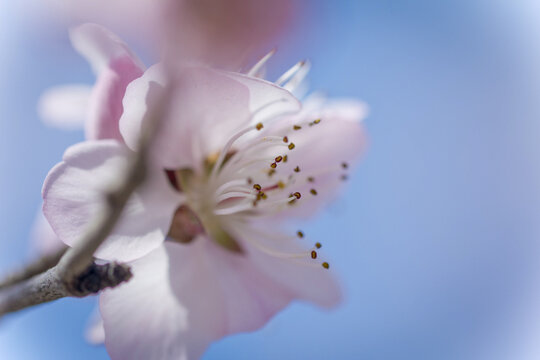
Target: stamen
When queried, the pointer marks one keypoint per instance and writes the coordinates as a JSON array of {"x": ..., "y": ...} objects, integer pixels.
[
  {"x": 311, "y": 179},
  {"x": 259, "y": 126},
  {"x": 297, "y": 169},
  {"x": 313, "y": 254},
  {"x": 300, "y": 234},
  {"x": 285, "y": 158},
  {"x": 285, "y": 139},
  {"x": 260, "y": 64},
  {"x": 273, "y": 165},
  {"x": 257, "y": 187},
  {"x": 313, "y": 192},
  {"x": 325, "y": 265},
  {"x": 297, "y": 195},
  {"x": 344, "y": 165},
  {"x": 289, "y": 73},
  {"x": 296, "y": 127},
  {"x": 278, "y": 158},
  {"x": 318, "y": 245},
  {"x": 291, "y": 146}
]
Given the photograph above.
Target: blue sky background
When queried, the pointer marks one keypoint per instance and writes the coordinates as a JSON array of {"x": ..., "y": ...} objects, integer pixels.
[{"x": 436, "y": 237}]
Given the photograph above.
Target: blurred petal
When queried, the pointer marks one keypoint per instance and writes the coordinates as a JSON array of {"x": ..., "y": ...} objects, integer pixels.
[
  {"x": 65, "y": 107},
  {"x": 194, "y": 294},
  {"x": 44, "y": 240},
  {"x": 73, "y": 196},
  {"x": 100, "y": 46},
  {"x": 95, "y": 333}
]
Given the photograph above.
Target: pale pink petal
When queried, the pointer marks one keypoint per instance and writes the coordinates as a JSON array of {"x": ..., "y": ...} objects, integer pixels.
[
  {"x": 65, "y": 106},
  {"x": 186, "y": 296},
  {"x": 73, "y": 197},
  {"x": 208, "y": 108},
  {"x": 95, "y": 333},
  {"x": 100, "y": 46},
  {"x": 115, "y": 66},
  {"x": 326, "y": 152}
]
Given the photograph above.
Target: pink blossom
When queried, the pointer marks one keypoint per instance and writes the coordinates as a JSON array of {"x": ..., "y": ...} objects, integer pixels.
[{"x": 206, "y": 236}]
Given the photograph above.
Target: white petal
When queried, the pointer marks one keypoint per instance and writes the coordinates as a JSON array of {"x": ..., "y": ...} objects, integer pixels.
[
  {"x": 99, "y": 46},
  {"x": 65, "y": 107},
  {"x": 186, "y": 296},
  {"x": 44, "y": 240},
  {"x": 73, "y": 197},
  {"x": 95, "y": 332}
]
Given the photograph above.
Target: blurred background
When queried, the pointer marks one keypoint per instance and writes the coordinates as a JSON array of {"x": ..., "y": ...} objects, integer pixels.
[{"x": 436, "y": 239}]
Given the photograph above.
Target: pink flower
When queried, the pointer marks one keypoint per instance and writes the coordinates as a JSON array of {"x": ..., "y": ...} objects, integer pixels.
[{"x": 236, "y": 159}]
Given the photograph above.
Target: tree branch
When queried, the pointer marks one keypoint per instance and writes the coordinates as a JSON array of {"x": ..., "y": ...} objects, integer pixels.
[
  {"x": 76, "y": 274},
  {"x": 34, "y": 268}
]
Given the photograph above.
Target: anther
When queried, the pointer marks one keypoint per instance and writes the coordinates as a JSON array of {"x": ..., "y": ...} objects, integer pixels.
[
  {"x": 297, "y": 169},
  {"x": 249, "y": 180},
  {"x": 273, "y": 165},
  {"x": 291, "y": 146},
  {"x": 297, "y": 195},
  {"x": 259, "y": 126},
  {"x": 317, "y": 121},
  {"x": 313, "y": 192},
  {"x": 311, "y": 179},
  {"x": 278, "y": 158},
  {"x": 325, "y": 265},
  {"x": 281, "y": 184},
  {"x": 344, "y": 177},
  {"x": 285, "y": 158},
  {"x": 257, "y": 187},
  {"x": 313, "y": 254},
  {"x": 300, "y": 234},
  {"x": 318, "y": 245},
  {"x": 271, "y": 172},
  {"x": 344, "y": 165},
  {"x": 296, "y": 127},
  {"x": 285, "y": 139}
]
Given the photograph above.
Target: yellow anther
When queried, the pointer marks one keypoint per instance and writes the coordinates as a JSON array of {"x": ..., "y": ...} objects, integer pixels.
[
  {"x": 297, "y": 195},
  {"x": 281, "y": 184},
  {"x": 313, "y": 192},
  {"x": 317, "y": 121},
  {"x": 257, "y": 187},
  {"x": 259, "y": 126},
  {"x": 313, "y": 254},
  {"x": 311, "y": 179},
  {"x": 325, "y": 265},
  {"x": 291, "y": 146},
  {"x": 297, "y": 169},
  {"x": 300, "y": 234},
  {"x": 285, "y": 158},
  {"x": 285, "y": 139},
  {"x": 318, "y": 245},
  {"x": 273, "y": 165},
  {"x": 271, "y": 172},
  {"x": 278, "y": 158},
  {"x": 296, "y": 127}
]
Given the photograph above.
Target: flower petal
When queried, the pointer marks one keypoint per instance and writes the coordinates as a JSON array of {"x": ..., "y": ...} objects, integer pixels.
[
  {"x": 65, "y": 107},
  {"x": 99, "y": 46},
  {"x": 324, "y": 152},
  {"x": 186, "y": 296},
  {"x": 44, "y": 240},
  {"x": 115, "y": 66},
  {"x": 73, "y": 195},
  {"x": 208, "y": 108}
]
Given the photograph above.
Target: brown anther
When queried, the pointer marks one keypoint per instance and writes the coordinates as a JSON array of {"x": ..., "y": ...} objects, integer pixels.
[
  {"x": 273, "y": 165},
  {"x": 296, "y": 127},
  {"x": 281, "y": 184},
  {"x": 297, "y": 169},
  {"x": 278, "y": 158},
  {"x": 257, "y": 187},
  {"x": 259, "y": 126},
  {"x": 313, "y": 254},
  {"x": 344, "y": 165},
  {"x": 285, "y": 139},
  {"x": 291, "y": 146},
  {"x": 325, "y": 265},
  {"x": 262, "y": 195},
  {"x": 285, "y": 158},
  {"x": 297, "y": 195},
  {"x": 344, "y": 177},
  {"x": 318, "y": 245},
  {"x": 317, "y": 121},
  {"x": 311, "y": 179},
  {"x": 300, "y": 234},
  {"x": 249, "y": 180},
  {"x": 313, "y": 192}
]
